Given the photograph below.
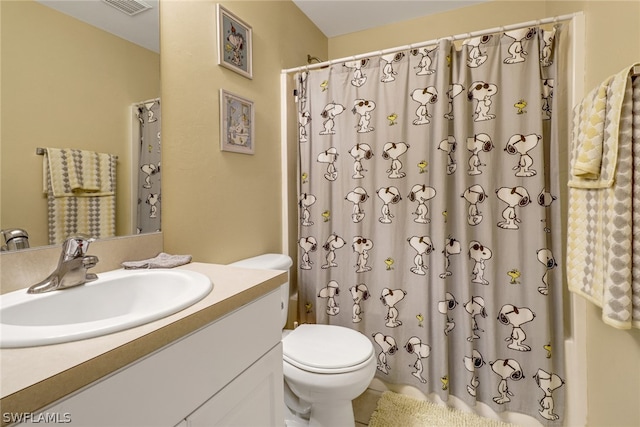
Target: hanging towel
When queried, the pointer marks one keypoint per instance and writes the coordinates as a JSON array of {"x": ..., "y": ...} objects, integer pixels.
[
  {"x": 162, "y": 260},
  {"x": 80, "y": 188},
  {"x": 601, "y": 226},
  {"x": 81, "y": 173}
]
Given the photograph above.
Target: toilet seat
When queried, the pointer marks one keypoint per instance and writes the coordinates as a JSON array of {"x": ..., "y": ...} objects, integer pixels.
[{"x": 326, "y": 349}]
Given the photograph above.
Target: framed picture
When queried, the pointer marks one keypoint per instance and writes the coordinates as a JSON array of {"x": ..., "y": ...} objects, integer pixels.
[
  {"x": 236, "y": 123},
  {"x": 234, "y": 43}
]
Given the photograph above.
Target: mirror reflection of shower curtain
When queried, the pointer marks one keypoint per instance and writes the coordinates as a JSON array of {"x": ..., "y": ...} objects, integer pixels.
[{"x": 149, "y": 176}]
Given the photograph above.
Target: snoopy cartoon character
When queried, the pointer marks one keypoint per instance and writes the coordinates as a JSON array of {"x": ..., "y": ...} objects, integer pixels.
[
  {"x": 482, "y": 92},
  {"x": 393, "y": 151},
  {"x": 516, "y": 317},
  {"x": 548, "y": 383},
  {"x": 423, "y": 246},
  {"x": 513, "y": 197},
  {"x": 363, "y": 108},
  {"x": 359, "y": 77},
  {"x": 329, "y": 156},
  {"x": 387, "y": 61},
  {"x": 444, "y": 307},
  {"x": 388, "y": 346},
  {"x": 360, "y": 152},
  {"x": 424, "y": 96},
  {"x": 415, "y": 346},
  {"x": 451, "y": 247},
  {"x": 475, "y": 57},
  {"x": 516, "y": 49},
  {"x": 359, "y": 293},
  {"x": 357, "y": 196},
  {"x": 235, "y": 46},
  {"x": 476, "y": 144},
  {"x": 148, "y": 169},
  {"x": 331, "y": 291},
  {"x": 449, "y": 146},
  {"x": 522, "y": 144},
  {"x": 329, "y": 113},
  {"x": 545, "y": 256},
  {"x": 305, "y": 201},
  {"x": 303, "y": 120},
  {"x": 362, "y": 246},
  {"x": 474, "y": 195},
  {"x": 471, "y": 363},
  {"x": 455, "y": 89},
  {"x": 422, "y": 194},
  {"x": 308, "y": 245},
  {"x": 424, "y": 66},
  {"x": 389, "y": 298},
  {"x": 152, "y": 200},
  {"x": 333, "y": 242},
  {"x": 506, "y": 369},
  {"x": 547, "y": 52},
  {"x": 479, "y": 254},
  {"x": 388, "y": 195},
  {"x": 475, "y": 307}
]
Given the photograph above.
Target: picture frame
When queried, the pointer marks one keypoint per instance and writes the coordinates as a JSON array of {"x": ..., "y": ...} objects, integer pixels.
[
  {"x": 234, "y": 43},
  {"x": 237, "y": 117}
]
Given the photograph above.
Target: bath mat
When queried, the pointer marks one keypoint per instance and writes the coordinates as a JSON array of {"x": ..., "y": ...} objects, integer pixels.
[{"x": 395, "y": 409}]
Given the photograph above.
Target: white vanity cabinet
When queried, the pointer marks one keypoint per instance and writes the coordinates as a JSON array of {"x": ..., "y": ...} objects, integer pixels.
[{"x": 226, "y": 373}]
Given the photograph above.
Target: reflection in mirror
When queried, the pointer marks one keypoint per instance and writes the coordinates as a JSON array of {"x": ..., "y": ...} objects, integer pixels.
[{"x": 68, "y": 84}]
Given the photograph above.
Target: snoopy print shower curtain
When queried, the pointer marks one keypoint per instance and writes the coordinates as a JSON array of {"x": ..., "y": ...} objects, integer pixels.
[{"x": 429, "y": 217}]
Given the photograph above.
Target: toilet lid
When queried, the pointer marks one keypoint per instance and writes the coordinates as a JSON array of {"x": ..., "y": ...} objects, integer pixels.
[{"x": 323, "y": 348}]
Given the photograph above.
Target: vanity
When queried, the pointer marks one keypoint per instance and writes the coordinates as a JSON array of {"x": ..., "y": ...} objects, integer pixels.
[{"x": 217, "y": 362}]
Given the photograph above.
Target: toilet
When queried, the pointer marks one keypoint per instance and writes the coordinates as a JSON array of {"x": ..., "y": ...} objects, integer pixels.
[{"x": 325, "y": 366}]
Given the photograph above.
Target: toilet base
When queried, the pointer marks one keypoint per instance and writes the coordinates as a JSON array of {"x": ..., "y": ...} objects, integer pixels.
[{"x": 329, "y": 414}]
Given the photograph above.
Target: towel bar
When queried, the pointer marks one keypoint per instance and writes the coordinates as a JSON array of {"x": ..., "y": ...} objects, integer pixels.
[{"x": 42, "y": 151}]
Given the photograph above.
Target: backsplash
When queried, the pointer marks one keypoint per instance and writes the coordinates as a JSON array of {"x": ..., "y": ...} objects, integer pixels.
[{"x": 21, "y": 269}]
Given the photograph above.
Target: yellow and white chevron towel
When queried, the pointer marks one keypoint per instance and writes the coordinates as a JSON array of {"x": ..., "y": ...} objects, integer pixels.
[
  {"x": 600, "y": 239},
  {"x": 80, "y": 187}
]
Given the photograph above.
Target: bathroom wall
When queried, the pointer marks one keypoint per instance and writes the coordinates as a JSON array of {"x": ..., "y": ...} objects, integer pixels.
[
  {"x": 612, "y": 43},
  {"x": 64, "y": 84},
  {"x": 222, "y": 206}
]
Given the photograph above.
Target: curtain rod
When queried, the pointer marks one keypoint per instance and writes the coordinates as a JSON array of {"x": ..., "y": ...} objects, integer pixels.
[{"x": 537, "y": 22}]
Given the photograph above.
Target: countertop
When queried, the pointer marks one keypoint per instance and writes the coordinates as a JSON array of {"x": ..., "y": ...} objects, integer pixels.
[{"x": 34, "y": 377}]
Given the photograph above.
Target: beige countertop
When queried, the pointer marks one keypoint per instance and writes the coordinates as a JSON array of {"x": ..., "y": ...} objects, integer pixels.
[{"x": 34, "y": 377}]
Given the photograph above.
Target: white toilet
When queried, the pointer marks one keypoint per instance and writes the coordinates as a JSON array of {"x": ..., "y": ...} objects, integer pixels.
[{"x": 325, "y": 366}]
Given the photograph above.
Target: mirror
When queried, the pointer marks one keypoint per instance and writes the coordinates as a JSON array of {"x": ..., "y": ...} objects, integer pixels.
[{"x": 68, "y": 84}]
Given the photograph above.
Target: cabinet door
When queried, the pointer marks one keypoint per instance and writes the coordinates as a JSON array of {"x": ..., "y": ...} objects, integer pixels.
[
  {"x": 166, "y": 386},
  {"x": 255, "y": 398}
]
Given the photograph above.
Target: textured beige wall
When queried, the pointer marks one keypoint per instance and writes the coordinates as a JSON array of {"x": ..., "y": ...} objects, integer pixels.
[
  {"x": 221, "y": 206},
  {"x": 65, "y": 84}
]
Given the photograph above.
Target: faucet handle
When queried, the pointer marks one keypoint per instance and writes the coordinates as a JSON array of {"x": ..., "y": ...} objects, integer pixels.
[{"x": 76, "y": 246}]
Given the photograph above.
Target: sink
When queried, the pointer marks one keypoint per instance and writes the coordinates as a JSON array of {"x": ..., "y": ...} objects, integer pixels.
[{"x": 118, "y": 300}]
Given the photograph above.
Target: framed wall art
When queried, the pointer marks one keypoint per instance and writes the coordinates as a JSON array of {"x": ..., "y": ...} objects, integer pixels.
[
  {"x": 234, "y": 43},
  {"x": 236, "y": 123}
]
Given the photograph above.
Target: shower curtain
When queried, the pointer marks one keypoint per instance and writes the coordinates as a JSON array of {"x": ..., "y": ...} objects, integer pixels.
[
  {"x": 149, "y": 176},
  {"x": 429, "y": 217}
]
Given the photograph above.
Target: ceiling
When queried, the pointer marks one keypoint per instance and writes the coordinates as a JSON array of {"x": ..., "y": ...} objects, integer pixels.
[
  {"x": 142, "y": 29},
  {"x": 332, "y": 17},
  {"x": 336, "y": 18}
]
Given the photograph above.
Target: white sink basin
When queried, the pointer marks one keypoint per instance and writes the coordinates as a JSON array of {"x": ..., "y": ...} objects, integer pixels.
[{"x": 118, "y": 300}]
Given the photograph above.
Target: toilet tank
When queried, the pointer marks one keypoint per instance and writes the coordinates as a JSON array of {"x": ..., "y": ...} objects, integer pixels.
[{"x": 272, "y": 262}]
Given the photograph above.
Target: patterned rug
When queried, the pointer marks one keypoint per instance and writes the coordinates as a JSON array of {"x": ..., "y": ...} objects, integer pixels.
[{"x": 395, "y": 409}]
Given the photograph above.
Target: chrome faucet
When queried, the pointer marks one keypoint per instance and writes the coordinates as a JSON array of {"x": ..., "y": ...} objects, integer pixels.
[{"x": 72, "y": 267}]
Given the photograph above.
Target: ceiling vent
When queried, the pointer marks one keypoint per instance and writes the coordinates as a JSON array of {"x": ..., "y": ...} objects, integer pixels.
[{"x": 130, "y": 7}]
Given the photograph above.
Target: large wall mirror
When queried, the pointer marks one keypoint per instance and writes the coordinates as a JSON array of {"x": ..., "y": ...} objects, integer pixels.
[{"x": 70, "y": 84}]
